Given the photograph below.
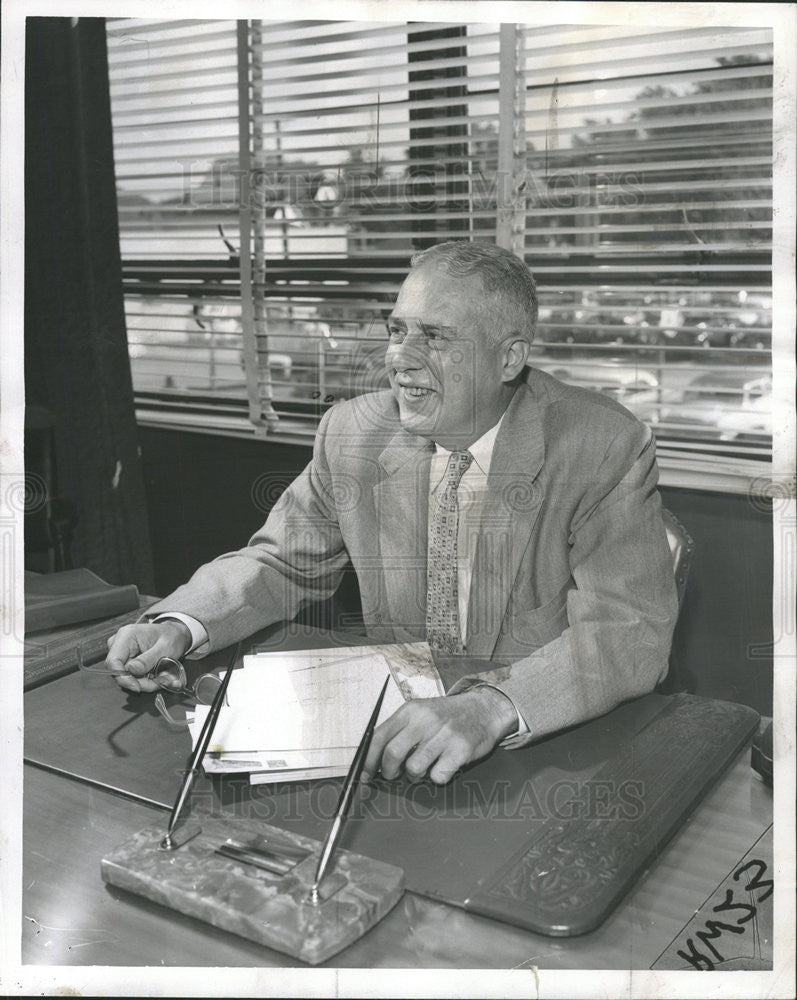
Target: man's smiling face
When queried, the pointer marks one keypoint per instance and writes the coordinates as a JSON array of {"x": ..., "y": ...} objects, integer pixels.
[{"x": 445, "y": 370}]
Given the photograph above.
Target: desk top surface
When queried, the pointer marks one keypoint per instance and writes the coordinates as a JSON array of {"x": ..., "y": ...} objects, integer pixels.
[
  {"x": 84, "y": 727},
  {"x": 72, "y": 918}
]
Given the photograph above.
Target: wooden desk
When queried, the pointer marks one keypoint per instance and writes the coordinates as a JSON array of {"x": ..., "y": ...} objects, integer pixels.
[
  {"x": 71, "y": 918},
  {"x": 91, "y": 738}
]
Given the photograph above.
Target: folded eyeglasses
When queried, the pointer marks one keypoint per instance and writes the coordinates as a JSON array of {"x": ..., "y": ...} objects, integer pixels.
[{"x": 169, "y": 674}]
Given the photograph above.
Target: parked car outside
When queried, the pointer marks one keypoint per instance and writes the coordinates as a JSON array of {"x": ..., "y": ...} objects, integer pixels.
[
  {"x": 636, "y": 388},
  {"x": 736, "y": 403}
]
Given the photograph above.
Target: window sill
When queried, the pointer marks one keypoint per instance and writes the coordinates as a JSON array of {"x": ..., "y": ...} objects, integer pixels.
[{"x": 677, "y": 467}]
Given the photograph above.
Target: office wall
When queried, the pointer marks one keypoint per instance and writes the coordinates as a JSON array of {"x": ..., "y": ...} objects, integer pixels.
[{"x": 207, "y": 494}]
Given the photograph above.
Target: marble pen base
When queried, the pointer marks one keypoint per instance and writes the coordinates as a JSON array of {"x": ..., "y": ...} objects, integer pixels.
[{"x": 273, "y": 908}]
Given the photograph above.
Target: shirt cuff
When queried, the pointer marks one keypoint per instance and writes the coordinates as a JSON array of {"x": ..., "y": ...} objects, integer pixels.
[
  {"x": 199, "y": 636},
  {"x": 508, "y": 742}
]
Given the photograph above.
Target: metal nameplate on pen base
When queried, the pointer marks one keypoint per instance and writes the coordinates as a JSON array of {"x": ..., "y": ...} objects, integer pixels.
[{"x": 255, "y": 880}]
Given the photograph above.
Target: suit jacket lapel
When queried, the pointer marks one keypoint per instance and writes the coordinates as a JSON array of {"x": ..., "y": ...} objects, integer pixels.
[
  {"x": 401, "y": 501},
  {"x": 511, "y": 508}
]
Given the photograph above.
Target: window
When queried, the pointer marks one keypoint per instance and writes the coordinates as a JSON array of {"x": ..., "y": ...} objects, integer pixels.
[
  {"x": 274, "y": 178},
  {"x": 649, "y": 226}
]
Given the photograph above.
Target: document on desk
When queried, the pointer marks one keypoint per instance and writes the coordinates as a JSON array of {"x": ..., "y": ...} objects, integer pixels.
[{"x": 299, "y": 715}]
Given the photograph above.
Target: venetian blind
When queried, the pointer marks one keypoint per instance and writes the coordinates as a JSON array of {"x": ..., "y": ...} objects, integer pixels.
[
  {"x": 175, "y": 110},
  {"x": 648, "y": 223},
  {"x": 365, "y": 146},
  {"x": 631, "y": 168}
]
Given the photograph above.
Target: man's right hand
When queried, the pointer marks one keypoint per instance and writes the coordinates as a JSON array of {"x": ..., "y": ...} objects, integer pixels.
[{"x": 135, "y": 650}]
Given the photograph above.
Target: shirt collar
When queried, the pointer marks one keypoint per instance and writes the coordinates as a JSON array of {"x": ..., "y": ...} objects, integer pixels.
[{"x": 482, "y": 450}]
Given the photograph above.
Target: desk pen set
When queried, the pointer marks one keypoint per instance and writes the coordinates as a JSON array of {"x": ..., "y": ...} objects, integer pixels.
[{"x": 277, "y": 888}]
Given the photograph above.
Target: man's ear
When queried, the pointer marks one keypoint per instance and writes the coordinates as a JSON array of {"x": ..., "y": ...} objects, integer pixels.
[{"x": 515, "y": 356}]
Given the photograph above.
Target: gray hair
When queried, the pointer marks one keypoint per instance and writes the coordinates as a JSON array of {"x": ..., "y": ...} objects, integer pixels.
[{"x": 505, "y": 278}]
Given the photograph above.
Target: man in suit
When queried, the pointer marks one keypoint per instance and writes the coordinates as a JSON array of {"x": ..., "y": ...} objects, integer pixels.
[{"x": 511, "y": 520}]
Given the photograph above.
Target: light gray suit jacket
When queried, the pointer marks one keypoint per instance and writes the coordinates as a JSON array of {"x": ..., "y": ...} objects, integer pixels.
[{"x": 573, "y": 597}]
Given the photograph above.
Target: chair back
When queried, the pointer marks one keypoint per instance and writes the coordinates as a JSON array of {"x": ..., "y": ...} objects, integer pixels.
[{"x": 682, "y": 547}]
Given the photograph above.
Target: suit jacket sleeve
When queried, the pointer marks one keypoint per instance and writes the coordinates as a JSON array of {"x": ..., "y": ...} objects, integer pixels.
[
  {"x": 296, "y": 558},
  {"x": 620, "y": 613}
]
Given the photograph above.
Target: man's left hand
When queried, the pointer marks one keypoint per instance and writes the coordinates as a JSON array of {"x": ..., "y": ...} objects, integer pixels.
[{"x": 441, "y": 735}]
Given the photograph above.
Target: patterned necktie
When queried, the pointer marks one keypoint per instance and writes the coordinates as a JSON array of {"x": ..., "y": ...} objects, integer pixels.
[{"x": 442, "y": 599}]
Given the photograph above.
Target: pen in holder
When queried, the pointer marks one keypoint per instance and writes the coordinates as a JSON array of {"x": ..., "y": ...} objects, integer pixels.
[
  {"x": 346, "y": 795},
  {"x": 172, "y": 841}
]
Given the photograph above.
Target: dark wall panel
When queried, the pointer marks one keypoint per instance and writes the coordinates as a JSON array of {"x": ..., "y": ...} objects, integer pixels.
[{"x": 208, "y": 494}]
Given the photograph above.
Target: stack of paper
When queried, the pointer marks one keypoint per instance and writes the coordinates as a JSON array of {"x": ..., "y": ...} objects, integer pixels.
[{"x": 299, "y": 715}]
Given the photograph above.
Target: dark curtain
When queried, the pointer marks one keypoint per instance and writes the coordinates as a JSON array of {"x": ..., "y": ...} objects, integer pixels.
[{"x": 76, "y": 362}]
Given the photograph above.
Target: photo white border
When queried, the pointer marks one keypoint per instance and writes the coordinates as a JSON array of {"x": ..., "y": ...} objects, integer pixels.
[{"x": 16, "y": 979}]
